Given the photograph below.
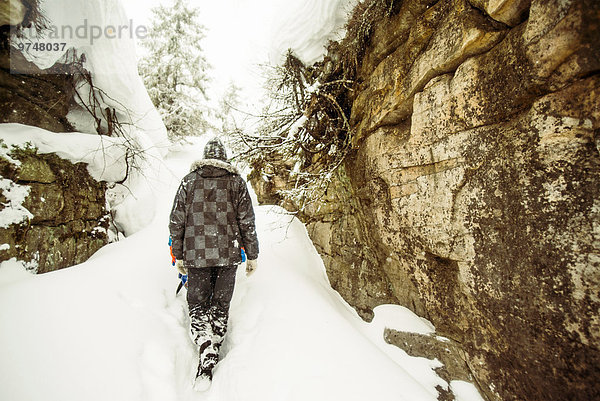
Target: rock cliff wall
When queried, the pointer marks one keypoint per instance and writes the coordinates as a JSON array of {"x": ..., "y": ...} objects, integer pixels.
[
  {"x": 69, "y": 219},
  {"x": 68, "y": 207},
  {"x": 472, "y": 193}
]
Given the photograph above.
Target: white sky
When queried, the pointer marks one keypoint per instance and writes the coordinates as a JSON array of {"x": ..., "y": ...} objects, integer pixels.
[{"x": 241, "y": 34}]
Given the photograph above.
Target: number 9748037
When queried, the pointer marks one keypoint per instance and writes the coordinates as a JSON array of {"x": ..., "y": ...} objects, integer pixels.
[{"x": 42, "y": 46}]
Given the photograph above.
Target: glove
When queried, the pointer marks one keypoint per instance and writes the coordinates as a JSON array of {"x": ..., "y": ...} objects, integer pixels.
[
  {"x": 180, "y": 268},
  {"x": 251, "y": 266}
]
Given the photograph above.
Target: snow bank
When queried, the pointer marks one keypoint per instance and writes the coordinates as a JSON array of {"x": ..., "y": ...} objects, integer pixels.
[
  {"x": 243, "y": 35},
  {"x": 108, "y": 329},
  {"x": 101, "y": 30},
  {"x": 104, "y": 156},
  {"x": 306, "y": 26},
  {"x": 464, "y": 391},
  {"x": 132, "y": 203},
  {"x": 401, "y": 319},
  {"x": 113, "y": 329}
]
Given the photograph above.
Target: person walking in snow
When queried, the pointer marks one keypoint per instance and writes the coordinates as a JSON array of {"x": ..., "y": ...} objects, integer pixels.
[{"x": 211, "y": 220}]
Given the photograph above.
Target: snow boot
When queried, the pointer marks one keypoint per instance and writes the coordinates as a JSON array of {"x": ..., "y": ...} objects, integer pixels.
[
  {"x": 209, "y": 357},
  {"x": 207, "y": 361},
  {"x": 203, "y": 380}
]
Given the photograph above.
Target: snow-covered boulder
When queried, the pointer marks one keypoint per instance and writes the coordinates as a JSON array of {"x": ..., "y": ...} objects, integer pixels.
[
  {"x": 100, "y": 31},
  {"x": 52, "y": 212}
]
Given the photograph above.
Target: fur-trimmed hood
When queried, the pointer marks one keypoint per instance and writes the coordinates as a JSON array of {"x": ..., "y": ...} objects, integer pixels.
[{"x": 214, "y": 163}]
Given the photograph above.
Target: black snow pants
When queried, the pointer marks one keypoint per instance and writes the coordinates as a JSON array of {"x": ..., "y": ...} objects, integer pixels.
[{"x": 209, "y": 295}]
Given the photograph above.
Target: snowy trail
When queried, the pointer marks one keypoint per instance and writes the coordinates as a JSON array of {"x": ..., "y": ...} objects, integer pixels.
[
  {"x": 292, "y": 338},
  {"x": 112, "y": 328}
]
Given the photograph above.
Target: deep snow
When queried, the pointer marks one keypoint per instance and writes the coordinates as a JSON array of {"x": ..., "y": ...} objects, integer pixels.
[
  {"x": 101, "y": 31},
  {"x": 94, "y": 28},
  {"x": 113, "y": 329}
]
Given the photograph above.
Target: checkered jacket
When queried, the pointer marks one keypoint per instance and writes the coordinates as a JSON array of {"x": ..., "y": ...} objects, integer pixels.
[{"x": 212, "y": 217}]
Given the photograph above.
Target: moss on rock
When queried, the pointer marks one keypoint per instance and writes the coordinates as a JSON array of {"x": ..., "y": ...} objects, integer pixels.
[{"x": 68, "y": 208}]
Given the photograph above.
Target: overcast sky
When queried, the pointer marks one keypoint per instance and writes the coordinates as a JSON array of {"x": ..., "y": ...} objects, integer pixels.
[
  {"x": 241, "y": 34},
  {"x": 235, "y": 40}
]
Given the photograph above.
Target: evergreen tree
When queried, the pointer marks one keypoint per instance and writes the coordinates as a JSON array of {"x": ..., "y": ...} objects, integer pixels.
[
  {"x": 228, "y": 104},
  {"x": 228, "y": 114},
  {"x": 175, "y": 69}
]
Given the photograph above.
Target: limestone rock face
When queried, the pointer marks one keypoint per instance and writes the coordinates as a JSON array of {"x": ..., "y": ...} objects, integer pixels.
[
  {"x": 68, "y": 206},
  {"x": 448, "y": 352},
  {"x": 24, "y": 97},
  {"x": 472, "y": 195},
  {"x": 69, "y": 219},
  {"x": 12, "y": 12},
  {"x": 510, "y": 12}
]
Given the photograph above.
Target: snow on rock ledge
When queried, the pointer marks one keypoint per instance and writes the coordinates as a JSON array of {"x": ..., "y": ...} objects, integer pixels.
[
  {"x": 106, "y": 160},
  {"x": 52, "y": 212},
  {"x": 104, "y": 156},
  {"x": 308, "y": 28},
  {"x": 100, "y": 30},
  {"x": 100, "y": 36}
]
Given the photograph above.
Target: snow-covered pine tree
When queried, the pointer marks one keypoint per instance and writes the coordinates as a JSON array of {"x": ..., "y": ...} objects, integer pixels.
[
  {"x": 230, "y": 119},
  {"x": 228, "y": 104},
  {"x": 175, "y": 69}
]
